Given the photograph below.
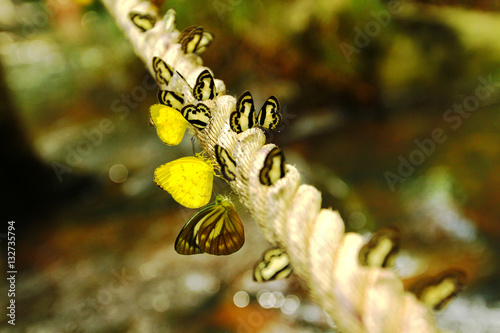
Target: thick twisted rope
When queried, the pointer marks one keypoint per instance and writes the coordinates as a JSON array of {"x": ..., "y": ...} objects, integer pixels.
[{"x": 359, "y": 299}]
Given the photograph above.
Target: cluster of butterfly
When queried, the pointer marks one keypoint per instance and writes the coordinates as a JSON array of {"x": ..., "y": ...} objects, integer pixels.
[
  {"x": 436, "y": 292},
  {"x": 193, "y": 39},
  {"x": 217, "y": 229}
]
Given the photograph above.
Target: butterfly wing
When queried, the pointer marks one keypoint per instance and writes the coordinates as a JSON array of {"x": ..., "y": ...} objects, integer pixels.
[
  {"x": 381, "y": 249},
  {"x": 274, "y": 265},
  {"x": 226, "y": 162},
  {"x": 221, "y": 233},
  {"x": 194, "y": 39},
  {"x": 243, "y": 117},
  {"x": 170, "y": 124},
  {"x": 205, "y": 86},
  {"x": 273, "y": 168},
  {"x": 171, "y": 98},
  {"x": 197, "y": 115},
  {"x": 187, "y": 241},
  {"x": 142, "y": 21},
  {"x": 188, "y": 179},
  {"x": 206, "y": 39},
  {"x": 163, "y": 72},
  {"x": 270, "y": 116},
  {"x": 190, "y": 39}
]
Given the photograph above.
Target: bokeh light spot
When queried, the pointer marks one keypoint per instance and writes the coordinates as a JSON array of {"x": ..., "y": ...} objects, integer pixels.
[
  {"x": 118, "y": 173},
  {"x": 241, "y": 299}
]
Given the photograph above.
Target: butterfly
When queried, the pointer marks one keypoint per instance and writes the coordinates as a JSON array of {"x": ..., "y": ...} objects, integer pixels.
[
  {"x": 436, "y": 292},
  {"x": 226, "y": 162},
  {"x": 171, "y": 98},
  {"x": 142, "y": 21},
  {"x": 244, "y": 116},
  {"x": 169, "y": 123},
  {"x": 381, "y": 249},
  {"x": 273, "y": 168},
  {"x": 163, "y": 72},
  {"x": 274, "y": 265},
  {"x": 197, "y": 115},
  {"x": 194, "y": 39},
  {"x": 189, "y": 180},
  {"x": 204, "y": 89},
  {"x": 215, "y": 229}
]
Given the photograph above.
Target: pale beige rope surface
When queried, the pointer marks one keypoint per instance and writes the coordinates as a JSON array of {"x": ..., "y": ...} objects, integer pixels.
[{"x": 358, "y": 299}]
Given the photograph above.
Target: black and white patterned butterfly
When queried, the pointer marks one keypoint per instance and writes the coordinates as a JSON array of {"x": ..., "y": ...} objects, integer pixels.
[
  {"x": 274, "y": 167},
  {"x": 204, "y": 89},
  {"x": 274, "y": 265},
  {"x": 437, "y": 292},
  {"x": 244, "y": 116},
  {"x": 197, "y": 115},
  {"x": 194, "y": 39},
  {"x": 226, "y": 162},
  {"x": 143, "y": 21},
  {"x": 171, "y": 98},
  {"x": 381, "y": 249},
  {"x": 163, "y": 72}
]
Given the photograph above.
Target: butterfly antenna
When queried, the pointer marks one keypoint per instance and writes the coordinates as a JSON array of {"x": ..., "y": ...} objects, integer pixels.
[
  {"x": 193, "y": 141},
  {"x": 185, "y": 81}
]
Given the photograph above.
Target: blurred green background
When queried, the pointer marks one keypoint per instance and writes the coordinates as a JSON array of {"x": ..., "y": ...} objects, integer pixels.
[{"x": 391, "y": 109}]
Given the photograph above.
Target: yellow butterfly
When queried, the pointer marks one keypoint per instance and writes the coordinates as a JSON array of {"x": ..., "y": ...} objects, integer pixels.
[
  {"x": 170, "y": 124},
  {"x": 189, "y": 180},
  {"x": 215, "y": 229}
]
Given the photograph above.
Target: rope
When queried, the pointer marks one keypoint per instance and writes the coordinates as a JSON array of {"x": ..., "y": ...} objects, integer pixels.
[{"x": 358, "y": 299}]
